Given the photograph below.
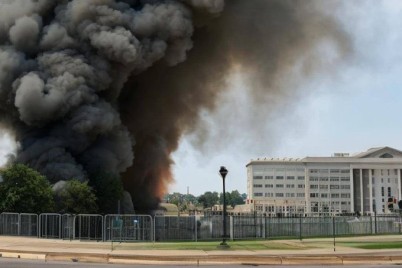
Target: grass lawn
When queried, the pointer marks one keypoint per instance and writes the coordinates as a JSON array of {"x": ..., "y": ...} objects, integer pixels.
[{"x": 374, "y": 245}]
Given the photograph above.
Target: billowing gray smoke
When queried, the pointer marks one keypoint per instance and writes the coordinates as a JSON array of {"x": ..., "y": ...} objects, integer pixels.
[{"x": 83, "y": 83}]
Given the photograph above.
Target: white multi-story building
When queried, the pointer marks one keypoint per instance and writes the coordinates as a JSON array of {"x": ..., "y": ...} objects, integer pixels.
[{"x": 338, "y": 184}]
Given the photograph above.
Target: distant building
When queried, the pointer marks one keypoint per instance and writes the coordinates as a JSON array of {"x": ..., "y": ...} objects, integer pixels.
[
  {"x": 341, "y": 183},
  {"x": 167, "y": 209}
]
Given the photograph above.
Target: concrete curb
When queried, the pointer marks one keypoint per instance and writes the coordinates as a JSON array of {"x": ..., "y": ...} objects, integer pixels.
[{"x": 114, "y": 258}]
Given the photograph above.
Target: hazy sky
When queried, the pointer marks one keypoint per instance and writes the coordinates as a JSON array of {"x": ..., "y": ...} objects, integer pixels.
[{"x": 353, "y": 110}]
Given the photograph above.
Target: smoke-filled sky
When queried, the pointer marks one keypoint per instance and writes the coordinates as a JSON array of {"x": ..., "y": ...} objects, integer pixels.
[
  {"x": 352, "y": 110},
  {"x": 121, "y": 85}
]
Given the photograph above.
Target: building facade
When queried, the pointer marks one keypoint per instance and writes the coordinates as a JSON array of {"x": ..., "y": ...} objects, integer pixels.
[{"x": 342, "y": 183}]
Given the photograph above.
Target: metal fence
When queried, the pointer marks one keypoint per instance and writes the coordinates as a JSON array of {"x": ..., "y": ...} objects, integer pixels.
[
  {"x": 88, "y": 227},
  {"x": 67, "y": 226},
  {"x": 128, "y": 228},
  {"x": 133, "y": 228},
  {"x": 175, "y": 228},
  {"x": 14, "y": 224},
  {"x": 50, "y": 225}
]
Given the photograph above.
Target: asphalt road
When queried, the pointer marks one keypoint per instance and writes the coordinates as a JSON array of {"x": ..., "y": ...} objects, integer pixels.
[{"x": 15, "y": 263}]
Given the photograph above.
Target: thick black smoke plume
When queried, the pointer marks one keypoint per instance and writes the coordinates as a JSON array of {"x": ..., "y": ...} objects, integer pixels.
[{"x": 89, "y": 85}]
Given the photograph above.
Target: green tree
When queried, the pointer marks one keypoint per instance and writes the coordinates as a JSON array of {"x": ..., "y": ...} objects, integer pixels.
[
  {"x": 25, "y": 190},
  {"x": 236, "y": 199},
  {"x": 108, "y": 190},
  {"x": 78, "y": 198},
  {"x": 232, "y": 199},
  {"x": 208, "y": 199}
]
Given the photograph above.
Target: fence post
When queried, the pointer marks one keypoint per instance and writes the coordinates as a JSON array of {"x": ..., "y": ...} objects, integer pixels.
[
  {"x": 333, "y": 229},
  {"x": 37, "y": 225},
  {"x": 263, "y": 219},
  {"x": 300, "y": 228},
  {"x": 371, "y": 224},
  {"x": 195, "y": 227},
  {"x": 19, "y": 224},
  {"x": 154, "y": 228},
  {"x": 375, "y": 222},
  {"x": 231, "y": 228}
]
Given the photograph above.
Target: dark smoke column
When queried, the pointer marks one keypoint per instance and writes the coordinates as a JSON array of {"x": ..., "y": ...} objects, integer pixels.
[
  {"x": 63, "y": 66},
  {"x": 275, "y": 44},
  {"x": 107, "y": 85}
]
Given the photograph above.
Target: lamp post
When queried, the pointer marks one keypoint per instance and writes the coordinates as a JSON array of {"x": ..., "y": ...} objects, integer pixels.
[{"x": 223, "y": 171}]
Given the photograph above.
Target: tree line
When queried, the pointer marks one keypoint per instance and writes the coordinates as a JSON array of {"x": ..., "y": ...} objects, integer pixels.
[
  {"x": 206, "y": 200},
  {"x": 25, "y": 190}
]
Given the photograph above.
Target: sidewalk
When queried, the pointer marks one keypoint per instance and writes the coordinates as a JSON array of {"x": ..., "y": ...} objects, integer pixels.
[{"x": 134, "y": 253}]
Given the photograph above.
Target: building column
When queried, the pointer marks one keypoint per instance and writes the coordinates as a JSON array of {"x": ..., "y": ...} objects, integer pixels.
[
  {"x": 371, "y": 191},
  {"x": 307, "y": 191},
  {"x": 352, "y": 203},
  {"x": 361, "y": 190},
  {"x": 399, "y": 185}
]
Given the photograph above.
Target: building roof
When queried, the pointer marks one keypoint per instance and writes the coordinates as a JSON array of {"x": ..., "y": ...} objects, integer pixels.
[{"x": 387, "y": 154}]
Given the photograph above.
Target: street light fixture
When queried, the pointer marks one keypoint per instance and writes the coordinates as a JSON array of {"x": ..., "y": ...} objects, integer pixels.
[{"x": 223, "y": 171}]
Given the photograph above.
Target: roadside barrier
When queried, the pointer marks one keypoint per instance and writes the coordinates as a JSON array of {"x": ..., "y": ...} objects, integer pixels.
[
  {"x": 132, "y": 228},
  {"x": 128, "y": 228}
]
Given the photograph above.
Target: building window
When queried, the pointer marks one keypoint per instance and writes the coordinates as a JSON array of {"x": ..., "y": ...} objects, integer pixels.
[
  {"x": 257, "y": 177},
  {"x": 257, "y": 194},
  {"x": 257, "y": 185},
  {"x": 389, "y": 180},
  {"x": 300, "y": 194},
  {"x": 345, "y": 195},
  {"x": 279, "y": 195},
  {"x": 290, "y": 177},
  {"x": 269, "y": 186},
  {"x": 279, "y": 186},
  {"x": 389, "y": 191},
  {"x": 323, "y": 179},
  {"x": 345, "y": 179},
  {"x": 345, "y": 171},
  {"x": 279, "y": 177},
  {"x": 314, "y": 186},
  {"x": 334, "y": 179},
  {"x": 334, "y": 195},
  {"x": 345, "y": 186},
  {"x": 324, "y": 195},
  {"x": 313, "y": 179},
  {"x": 290, "y": 186},
  {"x": 323, "y": 186},
  {"x": 269, "y": 177},
  {"x": 300, "y": 177},
  {"x": 334, "y": 186},
  {"x": 300, "y": 186},
  {"x": 334, "y": 171},
  {"x": 313, "y": 170},
  {"x": 382, "y": 192},
  {"x": 314, "y": 195}
]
